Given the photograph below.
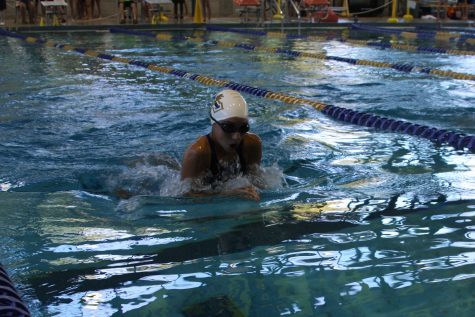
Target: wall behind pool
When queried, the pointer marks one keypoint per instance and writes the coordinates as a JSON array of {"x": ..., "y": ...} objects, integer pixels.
[{"x": 221, "y": 8}]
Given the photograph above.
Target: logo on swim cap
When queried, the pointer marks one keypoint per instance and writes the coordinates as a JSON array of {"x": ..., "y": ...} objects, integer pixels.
[
  {"x": 218, "y": 104},
  {"x": 227, "y": 104}
]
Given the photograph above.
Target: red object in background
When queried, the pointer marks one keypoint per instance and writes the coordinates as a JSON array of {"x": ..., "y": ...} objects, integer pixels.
[
  {"x": 310, "y": 3},
  {"x": 243, "y": 3},
  {"x": 325, "y": 16},
  {"x": 321, "y": 11}
]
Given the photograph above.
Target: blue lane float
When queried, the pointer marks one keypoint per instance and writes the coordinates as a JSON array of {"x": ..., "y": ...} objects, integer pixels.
[
  {"x": 11, "y": 303},
  {"x": 224, "y": 29},
  {"x": 398, "y": 32},
  {"x": 436, "y": 50},
  {"x": 439, "y": 136},
  {"x": 402, "y": 67},
  {"x": 458, "y": 140},
  {"x": 422, "y": 35},
  {"x": 450, "y": 29}
]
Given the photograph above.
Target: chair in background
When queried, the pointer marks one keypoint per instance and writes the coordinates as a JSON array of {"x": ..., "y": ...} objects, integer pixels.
[
  {"x": 247, "y": 7},
  {"x": 319, "y": 11},
  {"x": 54, "y": 12},
  {"x": 155, "y": 10}
]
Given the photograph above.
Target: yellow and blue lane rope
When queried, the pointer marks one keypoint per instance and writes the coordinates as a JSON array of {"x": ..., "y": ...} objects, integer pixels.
[
  {"x": 409, "y": 47},
  {"x": 347, "y": 39},
  {"x": 297, "y": 54},
  {"x": 469, "y": 30},
  {"x": 457, "y": 140},
  {"x": 421, "y": 35},
  {"x": 11, "y": 304}
]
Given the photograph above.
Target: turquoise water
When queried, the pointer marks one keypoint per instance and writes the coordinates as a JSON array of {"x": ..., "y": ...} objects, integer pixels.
[{"x": 362, "y": 223}]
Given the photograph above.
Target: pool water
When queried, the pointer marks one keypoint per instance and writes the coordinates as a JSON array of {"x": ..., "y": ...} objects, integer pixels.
[{"x": 354, "y": 222}]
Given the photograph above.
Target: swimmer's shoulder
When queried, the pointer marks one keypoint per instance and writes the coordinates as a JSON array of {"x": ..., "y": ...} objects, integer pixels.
[
  {"x": 251, "y": 149},
  {"x": 251, "y": 137},
  {"x": 200, "y": 147},
  {"x": 198, "y": 155},
  {"x": 251, "y": 141}
]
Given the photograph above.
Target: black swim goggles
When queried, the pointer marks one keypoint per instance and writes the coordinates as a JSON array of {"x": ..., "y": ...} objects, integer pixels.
[{"x": 231, "y": 128}]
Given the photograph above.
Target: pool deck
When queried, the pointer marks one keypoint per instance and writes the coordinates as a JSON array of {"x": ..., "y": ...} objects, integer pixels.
[{"x": 105, "y": 23}]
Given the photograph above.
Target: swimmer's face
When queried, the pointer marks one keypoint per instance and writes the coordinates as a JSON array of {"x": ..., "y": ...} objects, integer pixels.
[{"x": 230, "y": 132}]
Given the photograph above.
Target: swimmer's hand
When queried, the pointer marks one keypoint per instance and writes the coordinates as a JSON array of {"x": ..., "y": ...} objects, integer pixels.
[{"x": 248, "y": 192}]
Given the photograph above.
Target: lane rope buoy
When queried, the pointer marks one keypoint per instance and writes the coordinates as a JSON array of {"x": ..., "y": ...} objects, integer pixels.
[
  {"x": 421, "y": 35},
  {"x": 346, "y": 39},
  {"x": 402, "y": 67},
  {"x": 11, "y": 304},
  {"x": 456, "y": 139}
]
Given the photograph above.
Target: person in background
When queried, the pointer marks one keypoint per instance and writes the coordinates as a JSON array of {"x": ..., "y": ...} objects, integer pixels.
[
  {"x": 228, "y": 152},
  {"x": 98, "y": 5},
  {"x": 3, "y": 8},
  {"x": 24, "y": 6},
  {"x": 178, "y": 4},
  {"x": 80, "y": 9},
  {"x": 123, "y": 5},
  {"x": 88, "y": 9},
  {"x": 206, "y": 10},
  {"x": 451, "y": 12}
]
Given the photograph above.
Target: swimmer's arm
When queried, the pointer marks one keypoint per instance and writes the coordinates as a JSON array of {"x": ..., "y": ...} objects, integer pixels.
[
  {"x": 248, "y": 192},
  {"x": 196, "y": 190},
  {"x": 195, "y": 161},
  {"x": 193, "y": 168},
  {"x": 255, "y": 176},
  {"x": 252, "y": 152},
  {"x": 196, "y": 164}
]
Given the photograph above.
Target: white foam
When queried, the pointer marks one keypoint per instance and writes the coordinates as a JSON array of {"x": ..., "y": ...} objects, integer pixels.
[{"x": 164, "y": 180}]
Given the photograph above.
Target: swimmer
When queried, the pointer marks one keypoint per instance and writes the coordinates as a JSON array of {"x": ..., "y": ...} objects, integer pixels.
[{"x": 228, "y": 152}]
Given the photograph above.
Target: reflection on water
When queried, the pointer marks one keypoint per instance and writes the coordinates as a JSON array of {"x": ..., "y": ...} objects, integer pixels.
[
  {"x": 353, "y": 222},
  {"x": 389, "y": 245}
]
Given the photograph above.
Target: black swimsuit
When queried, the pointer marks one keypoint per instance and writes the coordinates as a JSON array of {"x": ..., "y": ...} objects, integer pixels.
[{"x": 220, "y": 173}]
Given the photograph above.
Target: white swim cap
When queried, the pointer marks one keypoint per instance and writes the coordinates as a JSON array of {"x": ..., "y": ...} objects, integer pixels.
[{"x": 227, "y": 104}]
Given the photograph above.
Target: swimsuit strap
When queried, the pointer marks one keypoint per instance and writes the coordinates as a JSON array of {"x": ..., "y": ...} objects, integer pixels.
[
  {"x": 215, "y": 167},
  {"x": 241, "y": 159}
]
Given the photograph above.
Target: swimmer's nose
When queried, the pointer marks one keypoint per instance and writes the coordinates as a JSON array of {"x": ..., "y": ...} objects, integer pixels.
[{"x": 236, "y": 136}]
